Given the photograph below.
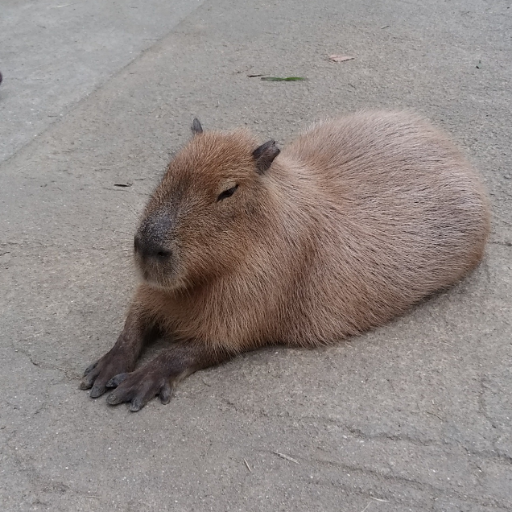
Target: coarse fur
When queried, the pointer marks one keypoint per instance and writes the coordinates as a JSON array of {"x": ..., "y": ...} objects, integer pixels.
[
  {"x": 350, "y": 225},
  {"x": 357, "y": 220}
]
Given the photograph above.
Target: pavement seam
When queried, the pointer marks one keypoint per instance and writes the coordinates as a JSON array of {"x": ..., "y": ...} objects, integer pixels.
[{"x": 74, "y": 106}]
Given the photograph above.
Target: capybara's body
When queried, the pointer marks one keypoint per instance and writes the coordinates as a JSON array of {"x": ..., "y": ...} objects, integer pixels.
[{"x": 351, "y": 224}]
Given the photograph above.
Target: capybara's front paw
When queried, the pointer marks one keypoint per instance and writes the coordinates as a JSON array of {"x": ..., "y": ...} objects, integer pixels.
[
  {"x": 139, "y": 387},
  {"x": 99, "y": 373}
]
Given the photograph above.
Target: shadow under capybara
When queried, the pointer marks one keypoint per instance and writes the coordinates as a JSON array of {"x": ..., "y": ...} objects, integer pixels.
[{"x": 242, "y": 246}]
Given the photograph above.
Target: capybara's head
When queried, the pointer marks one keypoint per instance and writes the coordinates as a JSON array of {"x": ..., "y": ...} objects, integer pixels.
[{"x": 211, "y": 203}]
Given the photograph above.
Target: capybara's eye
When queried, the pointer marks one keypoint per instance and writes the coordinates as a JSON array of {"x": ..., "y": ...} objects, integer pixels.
[{"x": 227, "y": 193}]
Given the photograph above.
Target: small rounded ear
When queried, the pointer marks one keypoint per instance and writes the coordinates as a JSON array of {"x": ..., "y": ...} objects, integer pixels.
[
  {"x": 196, "y": 127},
  {"x": 264, "y": 155}
]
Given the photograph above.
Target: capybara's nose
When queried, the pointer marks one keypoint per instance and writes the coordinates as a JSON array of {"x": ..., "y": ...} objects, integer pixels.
[
  {"x": 151, "y": 237},
  {"x": 147, "y": 247}
]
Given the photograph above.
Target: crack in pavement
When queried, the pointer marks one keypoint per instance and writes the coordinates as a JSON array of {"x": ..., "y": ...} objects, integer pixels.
[
  {"x": 358, "y": 433},
  {"x": 419, "y": 485}
]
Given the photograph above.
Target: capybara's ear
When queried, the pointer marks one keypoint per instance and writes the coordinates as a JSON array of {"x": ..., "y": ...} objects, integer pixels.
[
  {"x": 196, "y": 127},
  {"x": 265, "y": 154}
]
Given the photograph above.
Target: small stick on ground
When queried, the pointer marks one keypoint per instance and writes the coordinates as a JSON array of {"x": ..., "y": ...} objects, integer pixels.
[{"x": 287, "y": 457}]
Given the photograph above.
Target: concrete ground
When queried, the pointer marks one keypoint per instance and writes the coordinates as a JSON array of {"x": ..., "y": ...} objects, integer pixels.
[{"x": 415, "y": 416}]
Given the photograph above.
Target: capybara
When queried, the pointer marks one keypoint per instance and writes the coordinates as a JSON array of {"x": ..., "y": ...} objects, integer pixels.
[{"x": 242, "y": 246}]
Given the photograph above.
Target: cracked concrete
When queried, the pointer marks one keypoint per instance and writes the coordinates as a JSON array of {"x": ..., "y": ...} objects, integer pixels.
[{"x": 415, "y": 416}]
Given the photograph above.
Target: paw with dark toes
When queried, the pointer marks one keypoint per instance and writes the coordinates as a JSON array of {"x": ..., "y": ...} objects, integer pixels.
[
  {"x": 138, "y": 388},
  {"x": 100, "y": 374}
]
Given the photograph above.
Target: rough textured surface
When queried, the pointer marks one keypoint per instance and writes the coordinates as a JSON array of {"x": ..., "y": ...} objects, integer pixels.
[
  {"x": 54, "y": 53},
  {"x": 414, "y": 416}
]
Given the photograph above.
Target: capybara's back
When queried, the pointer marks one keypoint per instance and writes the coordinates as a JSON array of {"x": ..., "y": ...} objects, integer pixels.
[{"x": 397, "y": 213}]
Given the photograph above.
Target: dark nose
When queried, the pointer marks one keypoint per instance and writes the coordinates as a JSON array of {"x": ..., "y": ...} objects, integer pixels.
[
  {"x": 148, "y": 248},
  {"x": 150, "y": 239}
]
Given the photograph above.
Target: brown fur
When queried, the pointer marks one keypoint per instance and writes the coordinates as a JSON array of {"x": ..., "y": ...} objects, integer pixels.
[
  {"x": 356, "y": 221},
  {"x": 353, "y": 223}
]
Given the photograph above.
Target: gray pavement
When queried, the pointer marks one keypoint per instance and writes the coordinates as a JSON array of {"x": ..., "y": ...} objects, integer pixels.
[
  {"x": 56, "y": 52},
  {"x": 415, "y": 416}
]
